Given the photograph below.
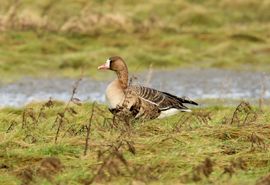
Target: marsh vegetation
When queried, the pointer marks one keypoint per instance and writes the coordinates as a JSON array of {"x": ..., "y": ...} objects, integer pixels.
[
  {"x": 44, "y": 38},
  {"x": 74, "y": 142}
]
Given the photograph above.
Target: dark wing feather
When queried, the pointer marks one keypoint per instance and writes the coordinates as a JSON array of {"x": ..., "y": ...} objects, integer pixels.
[
  {"x": 162, "y": 100},
  {"x": 183, "y": 99}
]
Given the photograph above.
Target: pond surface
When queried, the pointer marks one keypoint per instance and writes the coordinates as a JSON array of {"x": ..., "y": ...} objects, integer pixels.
[{"x": 193, "y": 83}]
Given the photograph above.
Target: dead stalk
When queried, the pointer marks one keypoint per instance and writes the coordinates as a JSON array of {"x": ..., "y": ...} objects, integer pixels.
[
  {"x": 243, "y": 114},
  {"x": 41, "y": 113},
  {"x": 88, "y": 129},
  {"x": 11, "y": 126},
  {"x": 61, "y": 116}
]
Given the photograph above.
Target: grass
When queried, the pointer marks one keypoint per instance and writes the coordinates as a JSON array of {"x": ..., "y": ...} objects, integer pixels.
[
  {"x": 45, "y": 38},
  {"x": 45, "y": 143},
  {"x": 218, "y": 145}
]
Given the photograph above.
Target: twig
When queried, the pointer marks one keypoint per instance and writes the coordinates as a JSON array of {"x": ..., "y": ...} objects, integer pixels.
[
  {"x": 88, "y": 129},
  {"x": 48, "y": 104},
  {"x": 13, "y": 123},
  {"x": 60, "y": 117},
  {"x": 23, "y": 119}
]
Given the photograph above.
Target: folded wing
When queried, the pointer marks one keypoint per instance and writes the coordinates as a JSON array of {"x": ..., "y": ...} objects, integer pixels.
[{"x": 164, "y": 101}]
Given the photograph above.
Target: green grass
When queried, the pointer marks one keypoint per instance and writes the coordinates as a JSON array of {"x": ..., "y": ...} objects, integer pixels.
[
  {"x": 45, "y": 38},
  {"x": 167, "y": 151},
  {"x": 60, "y": 38}
]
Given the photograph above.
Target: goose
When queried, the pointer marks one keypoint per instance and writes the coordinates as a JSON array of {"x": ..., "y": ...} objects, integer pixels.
[{"x": 137, "y": 101}]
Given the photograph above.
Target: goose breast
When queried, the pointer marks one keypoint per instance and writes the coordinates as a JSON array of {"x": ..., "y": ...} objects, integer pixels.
[{"x": 114, "y": 94}]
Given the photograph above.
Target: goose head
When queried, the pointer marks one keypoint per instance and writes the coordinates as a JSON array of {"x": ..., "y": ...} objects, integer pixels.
[
  {"x": 114, "y": 63},
  {"x": 117, "y": 65}
]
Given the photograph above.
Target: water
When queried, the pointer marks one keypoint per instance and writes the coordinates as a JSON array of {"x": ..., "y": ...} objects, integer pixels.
[{"x": 193, "y": 83}]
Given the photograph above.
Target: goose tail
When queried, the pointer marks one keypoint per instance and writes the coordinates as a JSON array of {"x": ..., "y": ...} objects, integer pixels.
[
  {"x": 186, "y": 100},
  {"x": 182, "y": 99}
]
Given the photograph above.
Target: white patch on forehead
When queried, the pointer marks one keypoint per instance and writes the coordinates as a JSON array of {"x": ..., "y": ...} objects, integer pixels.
[{"x": 108, "y": 63}]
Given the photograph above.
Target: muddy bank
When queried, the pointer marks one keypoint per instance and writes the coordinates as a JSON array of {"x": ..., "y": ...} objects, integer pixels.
[{"x": 194, "y": 83}]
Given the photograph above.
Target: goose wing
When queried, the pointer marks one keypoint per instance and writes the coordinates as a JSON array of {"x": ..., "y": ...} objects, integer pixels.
[{"x": 162, "y": 100}]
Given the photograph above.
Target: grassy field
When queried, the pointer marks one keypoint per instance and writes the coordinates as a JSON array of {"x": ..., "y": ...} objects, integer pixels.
[
  {"x": 73, "y": 143},
  {"x": 57, "y": 38},
  {"x": 45, "y": 143}
]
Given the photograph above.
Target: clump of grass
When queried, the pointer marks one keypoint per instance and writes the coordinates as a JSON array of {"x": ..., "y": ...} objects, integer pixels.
[
  {"x": 201, "y": 171},
  {"x": 264, "y": 180},
  {"x": 245, "y": 111},
  {"x": 91, "y": 148},
  {"x": 232, "y": 168},
  {"x": 45, "y": 168},
  {"x": 197, "y": 118},
  {"x": 45, "y": 38}
]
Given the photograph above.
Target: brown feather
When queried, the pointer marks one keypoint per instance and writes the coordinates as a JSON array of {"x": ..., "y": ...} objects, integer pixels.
[{"x": 130, "y": 101}]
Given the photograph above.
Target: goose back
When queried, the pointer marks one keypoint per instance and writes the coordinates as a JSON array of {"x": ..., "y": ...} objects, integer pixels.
[{"x": 164, "y": 101}]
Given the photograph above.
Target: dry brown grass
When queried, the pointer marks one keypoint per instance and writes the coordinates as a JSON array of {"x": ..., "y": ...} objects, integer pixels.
[{"x": 144, "y": 152}]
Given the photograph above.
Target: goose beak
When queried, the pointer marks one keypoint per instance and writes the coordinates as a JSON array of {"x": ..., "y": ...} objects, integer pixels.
[{"x": 105, "y": 66}]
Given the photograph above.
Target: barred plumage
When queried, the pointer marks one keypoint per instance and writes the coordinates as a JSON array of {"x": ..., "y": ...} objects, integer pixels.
[
  {"x": 163, "y": 100},
  {"x": 138, "y": 101}
]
